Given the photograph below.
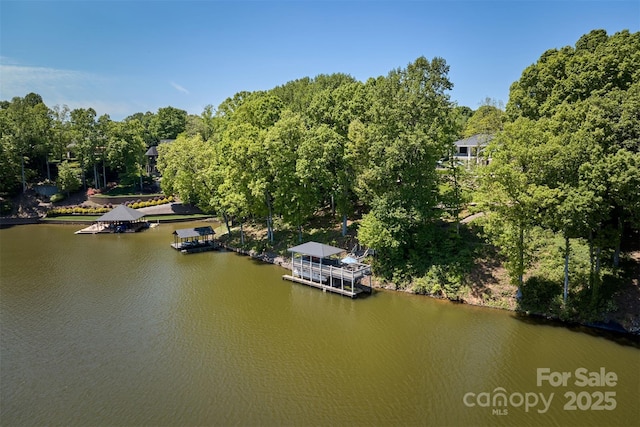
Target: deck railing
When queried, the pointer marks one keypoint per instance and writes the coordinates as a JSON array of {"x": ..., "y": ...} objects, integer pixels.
[{"x": 319, "y": 272}]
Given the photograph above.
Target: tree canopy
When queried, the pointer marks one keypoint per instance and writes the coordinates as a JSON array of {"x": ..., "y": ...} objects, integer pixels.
[
  {"x": 564, "y": 160},
  {"x": 567, "y": 158}
]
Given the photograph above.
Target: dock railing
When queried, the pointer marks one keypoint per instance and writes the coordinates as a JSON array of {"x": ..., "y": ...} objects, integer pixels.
[{"x": 321, "y": 272}]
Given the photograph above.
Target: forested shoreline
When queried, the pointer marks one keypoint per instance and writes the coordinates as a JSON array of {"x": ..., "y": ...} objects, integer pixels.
[{"x": 557, "y": 187}]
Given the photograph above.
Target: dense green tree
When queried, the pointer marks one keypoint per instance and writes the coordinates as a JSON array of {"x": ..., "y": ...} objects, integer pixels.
[
  {"x": 510, "y": 193},
  {"x": 289, "y": 188},
  {"x": 61, "y": 135},
  {"x": 9, "y": 164},
  {"x": 147, "y": 121},
  {"x": 408, "y": 131},
  {"x": 331, "y": 113},
  {"x": 486, "y": 120},
  {"x": 597, "y": 65},
  {"x": 25, "y": 129},
  {"x": 68, "y": 178},
  {"x": 239, "y": 154},
  {"x": 183, "y": 165},
  {"x": 462, "y": 114},
  {"x": 582, "y": 175},
  {"x": 168, "y": 123},
  {"x": 85, "y": 140},
  {"x": 125, "y": 149},
  {"x": 260, "y": 109},
  {"x": 297, "y": 95}
]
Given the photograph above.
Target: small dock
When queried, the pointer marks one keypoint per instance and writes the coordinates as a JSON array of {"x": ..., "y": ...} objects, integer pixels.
[
  {"x": 194, "y": 240},
  {"x": 121, "y": 219},
  {"x": 195, "y": 248},
  {"x": 104, "y": 228},
  {"x": 312, "y": 264},
  {"x": 94, "y": 229}
]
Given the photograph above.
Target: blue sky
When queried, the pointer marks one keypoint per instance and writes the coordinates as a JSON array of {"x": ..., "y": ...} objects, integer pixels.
[{"x": 123, "y": 57}]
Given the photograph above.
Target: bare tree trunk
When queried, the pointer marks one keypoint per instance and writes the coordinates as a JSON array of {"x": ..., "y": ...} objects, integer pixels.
[
  {"x": 269, "y": 219},
  {"x": 521, "y": 257},
  {"x": 596, "y": 278},
  {"x": 567, "y": 250},
  {"x": 226, "y": 223},
  {"x": 24, "y": 181},
  {"x": 616, "y": 254},
  {"x": 344, "y": 225},
  {"x": 591, "y": 260},
  {"x": 333, "y": 206},
  {"x": 48, "y": 169}
]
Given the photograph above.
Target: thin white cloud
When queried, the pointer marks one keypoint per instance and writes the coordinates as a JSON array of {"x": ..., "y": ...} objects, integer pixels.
[
  {"x": 179, "y": 88},
  {"x": 18, "y": 80},
  {"x": 76, "y": 89}
]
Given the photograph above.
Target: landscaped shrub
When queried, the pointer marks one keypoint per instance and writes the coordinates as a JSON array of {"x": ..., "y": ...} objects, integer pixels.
[
  {"x": 5, "y": 206},
  {"x": 58, "y": 197},
  {"x": 439, "y": 280},
  {"x": 76, "y": 210}
]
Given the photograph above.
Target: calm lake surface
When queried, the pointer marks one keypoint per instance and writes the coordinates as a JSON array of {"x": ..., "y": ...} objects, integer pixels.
[{"x": 124, "y": 330}]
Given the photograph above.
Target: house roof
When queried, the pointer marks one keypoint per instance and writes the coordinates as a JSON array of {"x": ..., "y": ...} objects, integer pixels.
[
  {"x": 476, "y": 140},
  {"x": 121, "y": 213},
  {"x": 185, "y": 233},
  {"x": 152, "y": 151},
  {"x": 316, "y": 249}
]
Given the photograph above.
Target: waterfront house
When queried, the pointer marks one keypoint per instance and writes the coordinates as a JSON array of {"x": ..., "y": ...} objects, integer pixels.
[{"x": 470, "y": 150}]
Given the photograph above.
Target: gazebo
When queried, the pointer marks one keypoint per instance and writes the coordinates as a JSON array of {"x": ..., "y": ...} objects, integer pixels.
[
  {"x": 152, "y": 157},
  {"x": 122, "y": 219},
  {"x": 315, "y": 264}
]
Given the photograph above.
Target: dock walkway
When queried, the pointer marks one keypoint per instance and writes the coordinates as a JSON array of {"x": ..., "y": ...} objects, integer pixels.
[
  {"x": 346, "y": 290},
  {"x": 94, "y": 229},
  {"x": 206, "y": 246}
]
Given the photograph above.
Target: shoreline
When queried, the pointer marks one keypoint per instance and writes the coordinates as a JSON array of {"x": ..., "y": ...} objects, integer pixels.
[
  {"x": 612, "y": 329},
  {"x": 600, "y": 328}
]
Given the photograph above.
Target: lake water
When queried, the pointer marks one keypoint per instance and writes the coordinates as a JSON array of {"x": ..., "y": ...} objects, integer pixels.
[{"x": 124, "y": 330}]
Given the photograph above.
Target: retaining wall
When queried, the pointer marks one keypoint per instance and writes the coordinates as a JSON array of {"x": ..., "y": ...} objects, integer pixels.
[{"x": 118, "y": 200}]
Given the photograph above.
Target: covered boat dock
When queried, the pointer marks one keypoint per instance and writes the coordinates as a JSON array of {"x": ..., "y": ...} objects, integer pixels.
[
  {"x": 315, "y": 264},
  {"x": 121, "y": 219},
  {"x": 198, "y": 239}
]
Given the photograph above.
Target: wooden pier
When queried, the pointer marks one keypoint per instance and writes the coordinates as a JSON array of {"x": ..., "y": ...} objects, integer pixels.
[{"x": 103, "y": 228}]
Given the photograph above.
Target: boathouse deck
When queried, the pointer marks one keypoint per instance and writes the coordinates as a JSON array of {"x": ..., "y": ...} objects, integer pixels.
[
  {"x": 193, "y": 240},
  {"x": 121, "y": 219},
  {"x": 311, "y": 264}
]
